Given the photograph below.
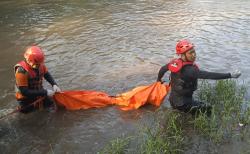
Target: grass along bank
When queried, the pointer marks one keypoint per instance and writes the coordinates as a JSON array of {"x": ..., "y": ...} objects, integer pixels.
[
  {"x": 228, "y": 123},
  {"x": 230, "y": 114}
]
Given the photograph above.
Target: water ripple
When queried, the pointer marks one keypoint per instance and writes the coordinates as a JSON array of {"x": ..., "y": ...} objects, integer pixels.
[{"x": 112, "y": 46}]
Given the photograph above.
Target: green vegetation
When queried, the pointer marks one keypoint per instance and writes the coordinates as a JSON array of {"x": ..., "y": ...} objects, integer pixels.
[
  {"x": 117, "y": 146},
  {"x": 228, "y": 122},
  {"x": 160, "y": 138},
  {"x": 228, "y": 111},
  {"x": 164, "y": 138}
]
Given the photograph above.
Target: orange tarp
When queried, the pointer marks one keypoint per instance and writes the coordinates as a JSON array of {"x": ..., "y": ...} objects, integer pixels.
[
  {"x": 84, "y": 99},
  {"x": 137, "y": 97}
]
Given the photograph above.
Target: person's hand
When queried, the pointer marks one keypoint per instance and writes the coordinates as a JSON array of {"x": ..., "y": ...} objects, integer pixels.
[
  {"x": 56, "y": 88},
  {"x": 50, "y": 93},
  {"x": 160, "y": 81},
  {"x": 235, "y": 74}
]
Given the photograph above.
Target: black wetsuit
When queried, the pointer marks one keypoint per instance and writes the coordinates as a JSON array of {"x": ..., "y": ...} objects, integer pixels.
[{"x": 184, "y": 83}]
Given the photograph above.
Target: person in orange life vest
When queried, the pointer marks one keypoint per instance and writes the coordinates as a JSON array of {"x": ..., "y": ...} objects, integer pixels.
[
  {"x": 29, "y": 75},
  {"x": 183, "y": 79}
]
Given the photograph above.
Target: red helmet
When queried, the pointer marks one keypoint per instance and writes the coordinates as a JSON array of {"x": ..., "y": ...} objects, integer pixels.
[
  {"x": 183, "y": 46},
  {"x": 34, "y": 55}
]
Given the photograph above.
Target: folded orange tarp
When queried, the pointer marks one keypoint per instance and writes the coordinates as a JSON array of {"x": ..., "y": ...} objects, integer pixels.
[
  {"x": 83, "y": 99},
  {"x": 139, "y": 96}
]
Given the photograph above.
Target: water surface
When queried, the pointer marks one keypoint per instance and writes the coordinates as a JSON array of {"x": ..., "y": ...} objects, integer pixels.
[{"x": 110, "y": 46}]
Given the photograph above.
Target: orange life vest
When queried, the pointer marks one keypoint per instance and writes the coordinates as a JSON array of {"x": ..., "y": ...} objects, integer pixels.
[
  {"x": 176, "y": 65},
  {"x": 35, "y": 79}
]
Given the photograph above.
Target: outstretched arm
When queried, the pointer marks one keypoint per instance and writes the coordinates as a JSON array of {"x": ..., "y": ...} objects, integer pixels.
[{"x": 213, "y": 75}]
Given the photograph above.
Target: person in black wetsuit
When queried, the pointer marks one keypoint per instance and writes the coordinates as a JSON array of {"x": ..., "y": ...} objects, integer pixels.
[
  {"x": 29, "y": 76},
  {"x": 184, "y": 76}
]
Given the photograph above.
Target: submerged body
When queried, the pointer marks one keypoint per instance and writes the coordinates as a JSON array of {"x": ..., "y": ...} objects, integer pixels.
[
  {"x": 184, "y": 78},
  {"x": 29, "y": 76},
  {"x": 184, "y": 83}
]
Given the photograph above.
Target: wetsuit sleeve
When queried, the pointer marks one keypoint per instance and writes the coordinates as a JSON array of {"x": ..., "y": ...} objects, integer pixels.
[
  {"x": 162, "y": 71},
  {"x": 213, "y": 75},
  {"x": 32, "y": 93},
  {"x": 49, "y": 78},
  {"x": 22, "y": 84}
]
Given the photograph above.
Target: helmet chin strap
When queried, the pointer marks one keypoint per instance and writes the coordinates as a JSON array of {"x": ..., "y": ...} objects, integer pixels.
[
  {"x": 184, "y": 57},
  {"x": 29, "y": 63}
]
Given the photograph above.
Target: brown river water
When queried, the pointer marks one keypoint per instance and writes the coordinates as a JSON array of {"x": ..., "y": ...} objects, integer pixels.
[{"x": 110, "y": 46}]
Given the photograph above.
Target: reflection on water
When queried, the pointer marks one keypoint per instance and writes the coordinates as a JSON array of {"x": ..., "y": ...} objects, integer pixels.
[{"x": 110, "y": 46}]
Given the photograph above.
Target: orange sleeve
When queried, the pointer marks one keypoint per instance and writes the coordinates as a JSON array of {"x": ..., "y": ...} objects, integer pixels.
[{"x": 21, "y": 79}]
